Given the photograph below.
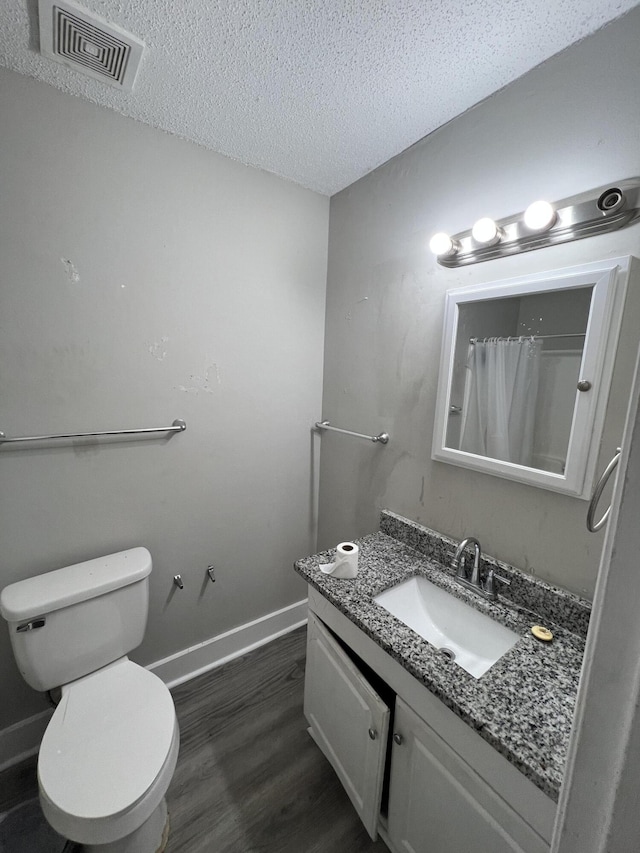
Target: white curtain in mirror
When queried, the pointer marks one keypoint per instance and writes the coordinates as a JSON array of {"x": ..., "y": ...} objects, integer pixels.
[{"x": 500, "y": 398}]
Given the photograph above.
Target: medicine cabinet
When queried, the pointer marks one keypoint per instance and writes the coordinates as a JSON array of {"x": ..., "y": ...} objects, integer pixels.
[{"x": 525, "y": 372}]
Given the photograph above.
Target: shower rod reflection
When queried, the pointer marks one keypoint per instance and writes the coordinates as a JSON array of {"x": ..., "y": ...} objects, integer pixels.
[
  {"x": 177, "y": 426},
  {"x": 383, "y": 438},
  {"x": 526, "y": 337}
]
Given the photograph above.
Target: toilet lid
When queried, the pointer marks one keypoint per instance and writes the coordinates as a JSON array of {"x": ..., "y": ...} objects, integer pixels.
[{"x": 107, "y": 741}]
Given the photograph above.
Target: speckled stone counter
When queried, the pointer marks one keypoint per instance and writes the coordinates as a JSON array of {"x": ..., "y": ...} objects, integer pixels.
[{"x": 523, "y": 706}]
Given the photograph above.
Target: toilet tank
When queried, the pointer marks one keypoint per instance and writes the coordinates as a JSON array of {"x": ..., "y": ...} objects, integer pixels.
[{"x": 72, "y": 621}]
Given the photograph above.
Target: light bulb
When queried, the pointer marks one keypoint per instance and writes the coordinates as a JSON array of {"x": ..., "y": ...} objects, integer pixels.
[
  {"x": 442, "y": 245},
  {"x": 486, "y": 232},
  {"x": 539, "y": 216}
]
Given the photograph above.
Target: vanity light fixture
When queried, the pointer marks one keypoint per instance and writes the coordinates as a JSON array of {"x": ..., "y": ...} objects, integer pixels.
[
  {"x": 485, "y": 232},
  {"x": 540, "y": 216},
  {"x": 542, "y": 224},
  {"x": 442, "y": 245}
]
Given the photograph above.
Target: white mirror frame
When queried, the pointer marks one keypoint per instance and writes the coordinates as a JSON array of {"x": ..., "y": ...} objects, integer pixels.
[{"x": 609, "y": 281}]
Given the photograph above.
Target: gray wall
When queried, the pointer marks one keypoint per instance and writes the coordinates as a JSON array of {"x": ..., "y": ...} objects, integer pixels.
[
  {"x": 566, "y": 127},
  {"x": 195, "y": 288}
]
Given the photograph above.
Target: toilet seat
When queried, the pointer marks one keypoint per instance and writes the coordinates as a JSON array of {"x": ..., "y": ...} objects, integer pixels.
[{"x": 108, "y": 754}]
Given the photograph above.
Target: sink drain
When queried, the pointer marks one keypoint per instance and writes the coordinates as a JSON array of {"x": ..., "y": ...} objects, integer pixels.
[{"x": 447, "y": 653}]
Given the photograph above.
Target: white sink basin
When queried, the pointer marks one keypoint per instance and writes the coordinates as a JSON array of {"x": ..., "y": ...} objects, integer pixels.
[{"x": 470, "y": 638}]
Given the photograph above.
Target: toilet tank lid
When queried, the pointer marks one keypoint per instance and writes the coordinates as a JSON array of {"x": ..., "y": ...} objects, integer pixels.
[{"x": 73, "y": 584}]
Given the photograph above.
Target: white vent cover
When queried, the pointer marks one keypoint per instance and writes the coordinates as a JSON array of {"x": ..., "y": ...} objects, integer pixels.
[{"x": 87, "y": 43}]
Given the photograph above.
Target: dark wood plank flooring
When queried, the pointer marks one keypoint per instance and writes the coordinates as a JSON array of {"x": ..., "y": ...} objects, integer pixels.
[{"x": 249, "y": 778}]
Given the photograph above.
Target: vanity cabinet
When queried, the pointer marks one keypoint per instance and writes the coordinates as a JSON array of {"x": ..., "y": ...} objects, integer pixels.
[
  {"x": 438, "y": 804},
  {"x": 348, "y": 720},
  {"x": 447, "y": 789}
]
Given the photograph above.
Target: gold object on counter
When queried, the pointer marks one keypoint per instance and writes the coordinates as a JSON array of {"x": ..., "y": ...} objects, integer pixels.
[{"x": 542, "y": 633}]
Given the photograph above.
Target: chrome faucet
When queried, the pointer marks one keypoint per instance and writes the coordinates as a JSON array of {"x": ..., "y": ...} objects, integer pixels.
[
  {"x": 458, "y": 562},
  {"x": 473, "y": 582}
]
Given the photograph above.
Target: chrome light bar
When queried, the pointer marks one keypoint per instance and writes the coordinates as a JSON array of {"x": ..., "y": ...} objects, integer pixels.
[{"x": 598, "y": 211}]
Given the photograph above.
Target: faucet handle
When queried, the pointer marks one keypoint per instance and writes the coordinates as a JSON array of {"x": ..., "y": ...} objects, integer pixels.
[
  {"x": 490, "y": 587},
  {"x": 459, "y": 565},
  {"x": 475, "y": 572}
]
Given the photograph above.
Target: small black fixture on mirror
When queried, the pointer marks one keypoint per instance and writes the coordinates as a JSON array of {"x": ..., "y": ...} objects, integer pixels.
[{"x": 542, "y": 224}]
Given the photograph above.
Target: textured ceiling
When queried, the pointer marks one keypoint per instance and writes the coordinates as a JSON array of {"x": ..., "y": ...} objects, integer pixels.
[{"x": 317, "y": 91}]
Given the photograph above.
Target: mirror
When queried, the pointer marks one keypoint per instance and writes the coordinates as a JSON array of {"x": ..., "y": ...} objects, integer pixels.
[{"x": 525, "y": 372}]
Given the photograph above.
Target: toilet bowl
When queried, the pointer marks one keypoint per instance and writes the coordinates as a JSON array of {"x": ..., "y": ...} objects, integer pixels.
[{"x": 109, "y": 752}]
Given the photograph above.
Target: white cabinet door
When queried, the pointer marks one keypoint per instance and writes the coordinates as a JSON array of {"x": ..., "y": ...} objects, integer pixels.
[
  {"x": 438, "y": 804},
  {"x": 348, "y": 721}
]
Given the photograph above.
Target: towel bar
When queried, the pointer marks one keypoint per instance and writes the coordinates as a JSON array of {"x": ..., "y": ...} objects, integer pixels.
[
  {"x": 177, "y": 426},
  {"x": 382, "y": 438}
]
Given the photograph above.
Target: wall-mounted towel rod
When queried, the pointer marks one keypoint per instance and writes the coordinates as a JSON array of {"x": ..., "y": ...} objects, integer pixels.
[
  {"x": 177, "y": 426},
  {"x": 383, "y": 438}
]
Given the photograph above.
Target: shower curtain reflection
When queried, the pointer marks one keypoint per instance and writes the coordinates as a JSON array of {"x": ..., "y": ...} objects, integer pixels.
[{"x": 500, "y": 397}]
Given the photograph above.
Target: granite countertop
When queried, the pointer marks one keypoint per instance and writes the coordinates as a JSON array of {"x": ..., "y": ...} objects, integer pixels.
[{"x": 523, "y": 705}]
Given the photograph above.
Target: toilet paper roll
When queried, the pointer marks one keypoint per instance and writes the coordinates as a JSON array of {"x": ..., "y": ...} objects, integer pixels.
[{"x": 346, "y": 562}]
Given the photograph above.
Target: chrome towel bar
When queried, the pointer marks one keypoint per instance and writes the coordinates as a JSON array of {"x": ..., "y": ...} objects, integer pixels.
[
  {"x": 383, "y": 438},
  {"x": 177, "y": 426}
]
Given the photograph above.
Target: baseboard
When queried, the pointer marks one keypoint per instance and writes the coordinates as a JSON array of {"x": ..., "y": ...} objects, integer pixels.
[
  {"x": 196, "y": 660},
  {"x": 384, "y": 835},
  {"x": 22, "y": 739}
]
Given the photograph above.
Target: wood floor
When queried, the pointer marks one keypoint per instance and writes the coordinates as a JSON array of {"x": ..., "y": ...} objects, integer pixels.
[{"x": 249, "y": 778}]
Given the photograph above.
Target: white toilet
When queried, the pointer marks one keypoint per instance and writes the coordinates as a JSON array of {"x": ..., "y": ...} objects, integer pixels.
[{"x": 110, "y": 749}]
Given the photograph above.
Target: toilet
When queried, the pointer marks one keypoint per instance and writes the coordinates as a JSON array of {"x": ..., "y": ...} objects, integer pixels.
[{"x": 110, "y": 749}]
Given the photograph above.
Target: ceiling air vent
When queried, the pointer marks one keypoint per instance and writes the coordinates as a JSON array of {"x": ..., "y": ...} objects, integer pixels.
[{"x": 83, "y": 41}]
